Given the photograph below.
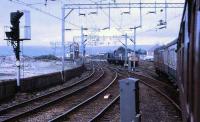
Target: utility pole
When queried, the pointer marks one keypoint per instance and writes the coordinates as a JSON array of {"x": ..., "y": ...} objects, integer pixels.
[
  {"x": 82, "y": 44},
  {"x": 126, "y": 51},
  {"x": 134, "y": 49},
  {"x": 63, "y": 37},
  {"x": 166, "y": 13},
  {"x": 109, "y": 15},
  {"x": 74, "y": 52},
  {"x": 63, "y": 41},
  {"x": 134, "y": 45}
]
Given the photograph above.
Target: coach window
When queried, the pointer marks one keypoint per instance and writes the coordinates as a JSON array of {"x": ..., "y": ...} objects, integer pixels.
[
  {"x": 173, "y": 57},
  {"x": 172, "y": 61}
]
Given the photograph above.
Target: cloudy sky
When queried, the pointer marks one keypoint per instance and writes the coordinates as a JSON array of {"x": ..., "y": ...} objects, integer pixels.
[{"x": 46, "y": 23}]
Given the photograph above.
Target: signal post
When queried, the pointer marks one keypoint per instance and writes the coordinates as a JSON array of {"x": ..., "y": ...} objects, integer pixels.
[{"x": 13, "y": 37}]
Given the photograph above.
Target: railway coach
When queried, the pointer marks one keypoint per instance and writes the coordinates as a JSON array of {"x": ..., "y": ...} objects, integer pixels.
[
  {"x": 165, "y": 59},
  {"x": 188, "y": 62},
  {"x": 181, "y": 58},
  {"x": 117, "y": 57}
]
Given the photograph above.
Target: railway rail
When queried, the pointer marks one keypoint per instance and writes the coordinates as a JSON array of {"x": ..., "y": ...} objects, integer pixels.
[
  {"x": 146, "y": 68},
  {"x": 164, "y": 79},
  {"x": 168, "y": 91},
  {"x": 86, "y": 108},
  {"x": 160, "y": 87},
  {"x": 104, "y": 114},
  {"x": 113, "y": 107},
  {"x": 80, "y": 99},
  {"x": 28, "y": 107}
]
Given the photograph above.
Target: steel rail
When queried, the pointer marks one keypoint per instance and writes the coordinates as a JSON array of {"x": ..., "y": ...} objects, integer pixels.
[
  {"x": 156, "y": 89},
  {"x": 144, "y": 76},
  {"x": 45, "y": 95},
  {"x": 106, "y": 108},
  {"x": 163, "y": 94},
  {"x": 62, "y": 116},
  {"x": 101, "y": 113},
  {"x": 51, "y": 102}
]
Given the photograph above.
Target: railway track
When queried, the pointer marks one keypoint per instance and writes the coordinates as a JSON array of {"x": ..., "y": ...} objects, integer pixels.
[
  {"x": 104, "y": 115},
  {"x": 87, "y": 109},
  {"x": 50, "y": 111},
  {"x": 25, "y": 108},
  {"x": 148, "y": 68},
  {"x": 148, "y": 71},
  {"x": 163, "y": 93},
  {"x": 152, "y": 73},
  {"x": 163, "y": 88},
  {"x": 160, "y": 87},
  {"x": 143, "y": 76},
  {"x": 164, "y": 79},
  {"x": 112, "y": 109},
  {"x": 86, "y": 103}
]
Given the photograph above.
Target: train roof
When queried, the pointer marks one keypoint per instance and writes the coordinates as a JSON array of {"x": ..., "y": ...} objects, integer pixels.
[
  {"x": 160, "y": 47},
  {"x": 167, "y": 45},
  {"x": 171, "y": 43}
]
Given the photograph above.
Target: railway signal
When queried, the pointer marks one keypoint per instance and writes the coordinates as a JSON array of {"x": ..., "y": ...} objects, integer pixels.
[
  {"x": 14, "y": 20},
  {"x": 13, "y": 36}
]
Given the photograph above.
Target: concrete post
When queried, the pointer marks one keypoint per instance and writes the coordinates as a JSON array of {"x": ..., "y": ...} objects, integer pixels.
[
  {"x": 18, "y": 72},
  {"x": 129, "y": 65},
  {"x": 82, "y": 44},
  {"x": 134, "y": 49},
  {"x": 126, "y": 51},
  {"x": 63, "y": 40},
  {"x": 129, "y": 100}
]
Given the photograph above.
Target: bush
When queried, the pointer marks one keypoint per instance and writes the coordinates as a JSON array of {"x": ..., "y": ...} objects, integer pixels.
[{"x": 46, "y": 57}]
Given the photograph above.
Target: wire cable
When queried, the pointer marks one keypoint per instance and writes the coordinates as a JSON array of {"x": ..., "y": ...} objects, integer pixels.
[{"x": 42, "y": 11}]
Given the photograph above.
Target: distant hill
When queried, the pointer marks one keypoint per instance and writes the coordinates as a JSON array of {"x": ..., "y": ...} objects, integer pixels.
[
  {"x": 42, "y": 50},
  {"x": 27, "y": 50}
]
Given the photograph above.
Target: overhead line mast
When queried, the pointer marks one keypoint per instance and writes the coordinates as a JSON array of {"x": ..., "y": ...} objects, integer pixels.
[{"x": 108, "y": 6}]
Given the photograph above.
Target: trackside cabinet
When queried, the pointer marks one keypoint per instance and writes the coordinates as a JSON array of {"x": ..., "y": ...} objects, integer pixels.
[{"x": 129, "y": 100}]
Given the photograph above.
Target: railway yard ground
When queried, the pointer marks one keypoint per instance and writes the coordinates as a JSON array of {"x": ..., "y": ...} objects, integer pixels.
[{"x": 95, "y": 96}]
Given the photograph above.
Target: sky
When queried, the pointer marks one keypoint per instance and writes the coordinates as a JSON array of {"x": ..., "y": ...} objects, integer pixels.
[{"x": 47, "y": 28}]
